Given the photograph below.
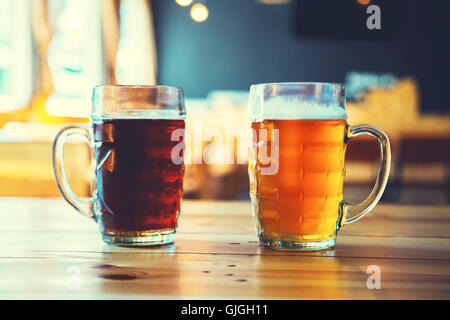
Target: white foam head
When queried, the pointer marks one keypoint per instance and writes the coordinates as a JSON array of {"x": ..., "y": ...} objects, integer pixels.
[{"x": 297, "y": 101}]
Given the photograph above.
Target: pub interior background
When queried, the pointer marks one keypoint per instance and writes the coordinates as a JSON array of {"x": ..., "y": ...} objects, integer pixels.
[{"x": 52, "y": 53}]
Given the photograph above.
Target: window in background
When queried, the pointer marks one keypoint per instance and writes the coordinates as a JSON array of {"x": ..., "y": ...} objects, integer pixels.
[
  {"x": 75, "y": 56},
  {"x": 136, "y": 55},
  {"x": 359, "y": 83},
  {"x": 15, "y": 55}
]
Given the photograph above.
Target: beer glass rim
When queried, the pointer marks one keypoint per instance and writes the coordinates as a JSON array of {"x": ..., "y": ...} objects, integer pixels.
[
  {"x": 336, "y": 85},
  {"x": 136, "y": 86},
  {"x": 138, "y": 102}
]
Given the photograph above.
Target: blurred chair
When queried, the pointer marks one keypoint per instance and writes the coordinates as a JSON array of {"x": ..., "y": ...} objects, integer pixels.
[
  {"x": 365, "y": 151},
  {"x": 423, "y": 151}
]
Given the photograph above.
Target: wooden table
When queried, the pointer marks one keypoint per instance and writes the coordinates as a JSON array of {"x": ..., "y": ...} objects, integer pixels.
[{"x": 47, "y": 251}]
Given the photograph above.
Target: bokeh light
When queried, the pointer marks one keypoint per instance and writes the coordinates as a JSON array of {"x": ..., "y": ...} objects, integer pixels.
[
  {"x": 183, "y": 3},
  {"x": 199, "y": 12}
]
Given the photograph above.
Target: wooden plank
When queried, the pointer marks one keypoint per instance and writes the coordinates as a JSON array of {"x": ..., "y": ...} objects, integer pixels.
[{"x": 200, "y": 276}]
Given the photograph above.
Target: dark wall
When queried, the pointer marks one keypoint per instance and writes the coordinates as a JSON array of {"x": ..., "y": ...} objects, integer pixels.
[{"x": 244, "y": 42}]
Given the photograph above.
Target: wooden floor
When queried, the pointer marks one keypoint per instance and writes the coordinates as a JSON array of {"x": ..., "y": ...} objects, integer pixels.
[{"x": 47, "y": 251}]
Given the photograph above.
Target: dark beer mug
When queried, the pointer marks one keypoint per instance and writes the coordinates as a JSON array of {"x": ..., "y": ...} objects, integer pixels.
[{"x": 138, "y": 180}]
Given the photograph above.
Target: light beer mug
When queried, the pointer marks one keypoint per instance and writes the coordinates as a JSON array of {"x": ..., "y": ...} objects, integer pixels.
[{"x": 296, "y": 164}]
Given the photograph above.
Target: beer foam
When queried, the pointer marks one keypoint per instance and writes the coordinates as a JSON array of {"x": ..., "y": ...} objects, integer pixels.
[{"x": 282, "y": 108}]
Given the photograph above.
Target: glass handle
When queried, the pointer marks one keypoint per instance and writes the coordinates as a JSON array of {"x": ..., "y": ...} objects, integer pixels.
[
  {"x": 352, "y": 213},
  {"x": 84, "y": 206}
]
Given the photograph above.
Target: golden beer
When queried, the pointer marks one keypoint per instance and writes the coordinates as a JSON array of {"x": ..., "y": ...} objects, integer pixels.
[
  {"x": 296, "y": 164},
  {"x": 301, "y": 201}
]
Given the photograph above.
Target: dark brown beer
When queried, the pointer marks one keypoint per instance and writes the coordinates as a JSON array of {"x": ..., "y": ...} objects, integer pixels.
[{"x": 139, "y": 187}]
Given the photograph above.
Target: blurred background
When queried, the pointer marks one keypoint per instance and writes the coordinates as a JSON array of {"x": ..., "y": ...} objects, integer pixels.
[{"x": 395, "y": 69}]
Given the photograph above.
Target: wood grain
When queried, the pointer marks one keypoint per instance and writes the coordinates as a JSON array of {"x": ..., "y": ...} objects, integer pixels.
[{"x": 44, "y": 244}]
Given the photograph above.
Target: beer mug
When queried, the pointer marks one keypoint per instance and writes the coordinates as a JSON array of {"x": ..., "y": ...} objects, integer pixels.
[
  {"x": 296, "y": 164},
  {"x": 138, "y": 182}
]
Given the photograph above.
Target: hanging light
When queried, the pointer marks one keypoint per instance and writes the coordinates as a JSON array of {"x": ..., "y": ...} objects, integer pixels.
[
  {"x": 199, "y": 12},
  {"x": 183, "y": 3}
]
